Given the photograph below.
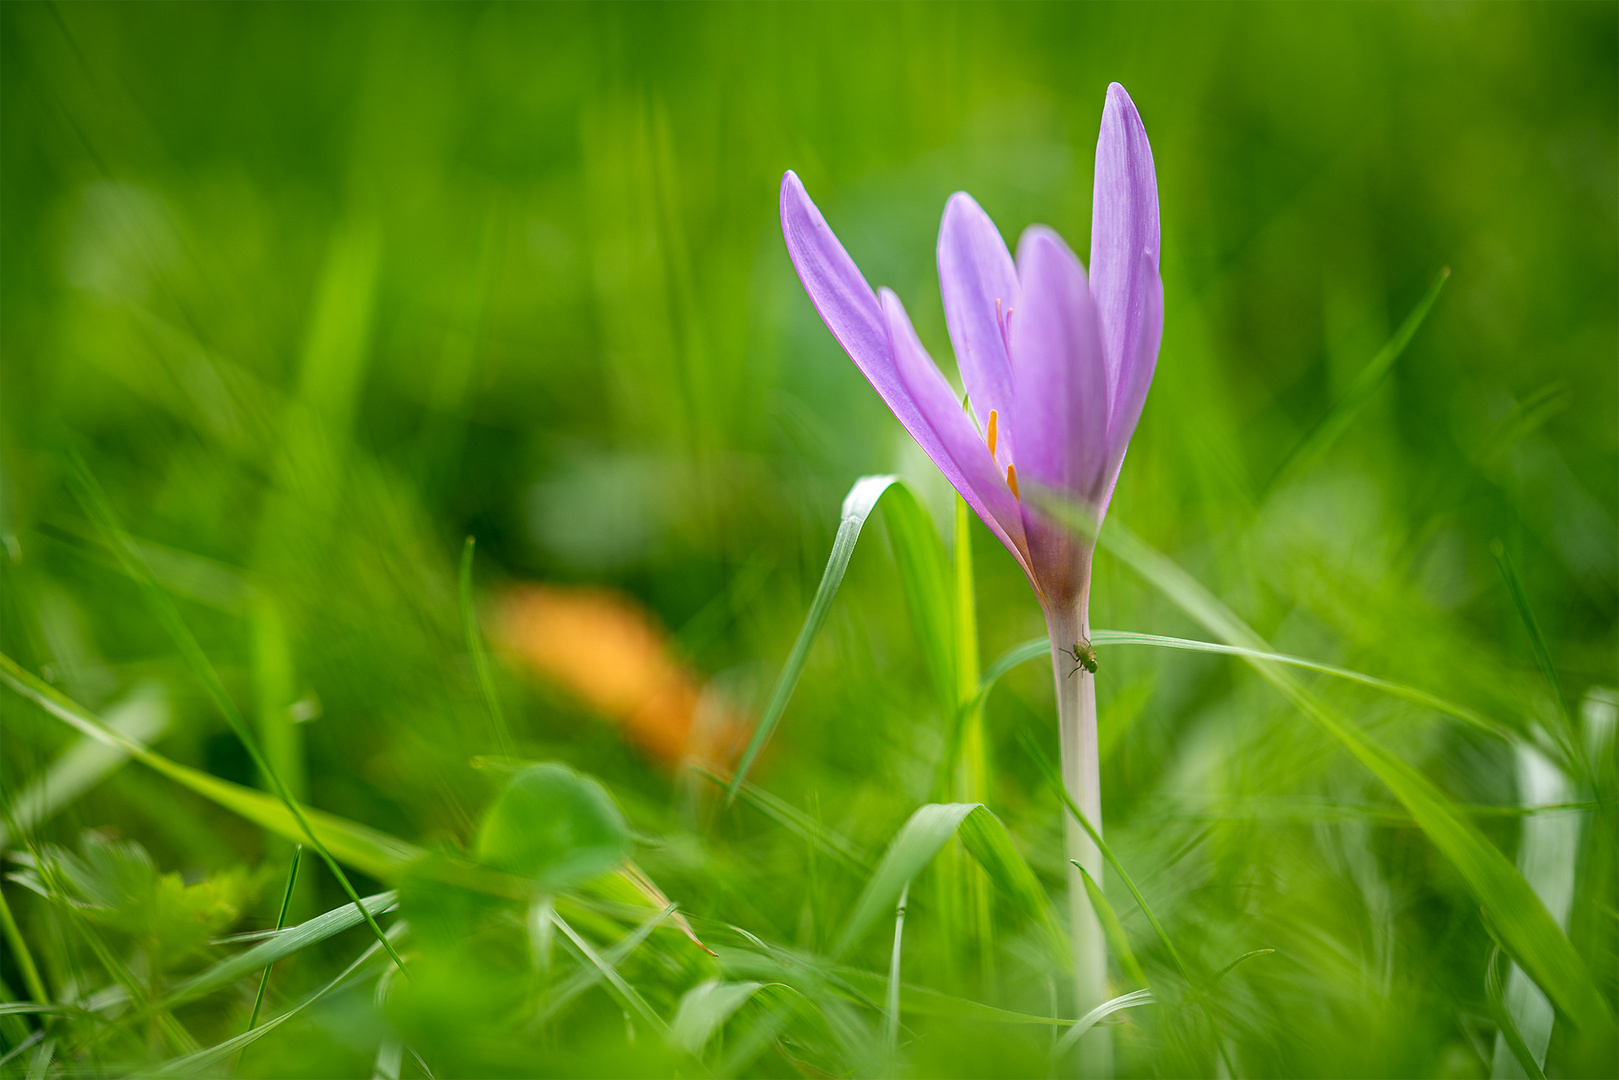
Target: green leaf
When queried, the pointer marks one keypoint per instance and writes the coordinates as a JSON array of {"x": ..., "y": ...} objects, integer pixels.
[
  {"x": 857, "y": 507},
  {"x": 1526, "y": 928},
  {"x": 554, "y": 826}
]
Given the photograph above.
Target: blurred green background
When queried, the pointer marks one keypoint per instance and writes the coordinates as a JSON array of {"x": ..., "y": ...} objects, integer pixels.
[{"x": 318, "y": 291}]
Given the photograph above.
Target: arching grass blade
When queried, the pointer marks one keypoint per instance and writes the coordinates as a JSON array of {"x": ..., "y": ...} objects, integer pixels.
[{"x": 857, "y": 507}]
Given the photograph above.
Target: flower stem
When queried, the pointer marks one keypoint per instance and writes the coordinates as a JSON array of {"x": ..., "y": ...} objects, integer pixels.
[{"x": 1081, "y": 775}]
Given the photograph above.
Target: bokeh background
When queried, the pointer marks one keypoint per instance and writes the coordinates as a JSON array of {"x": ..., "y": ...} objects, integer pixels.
[{"x": 319, "y": 291}]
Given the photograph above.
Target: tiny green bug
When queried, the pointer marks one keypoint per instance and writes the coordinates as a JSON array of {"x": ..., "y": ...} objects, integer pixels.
[{"x": 1084, "y": 657}]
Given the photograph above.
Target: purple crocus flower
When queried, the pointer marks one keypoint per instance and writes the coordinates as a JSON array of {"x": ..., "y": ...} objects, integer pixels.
[{"x": 1056, "y": 367}]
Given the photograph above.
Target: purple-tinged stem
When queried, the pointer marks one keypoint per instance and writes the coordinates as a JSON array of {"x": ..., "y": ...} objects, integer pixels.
[{"x": 1081, "y": 775}]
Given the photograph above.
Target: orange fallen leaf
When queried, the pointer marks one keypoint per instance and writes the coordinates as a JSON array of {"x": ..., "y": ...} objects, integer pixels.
[{"x": 610, "y": 652}]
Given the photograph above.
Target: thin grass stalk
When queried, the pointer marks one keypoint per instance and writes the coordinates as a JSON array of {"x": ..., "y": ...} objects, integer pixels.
[
  {"x": 280, "y": 923},
  {"x": 892, "y": 1027}
]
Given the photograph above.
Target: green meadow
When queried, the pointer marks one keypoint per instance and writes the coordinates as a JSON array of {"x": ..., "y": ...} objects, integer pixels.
[{"x": 296, "y": 781}]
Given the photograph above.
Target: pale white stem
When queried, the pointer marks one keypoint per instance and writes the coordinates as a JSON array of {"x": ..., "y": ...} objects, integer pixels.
[{"x": 1081, "y": 775}]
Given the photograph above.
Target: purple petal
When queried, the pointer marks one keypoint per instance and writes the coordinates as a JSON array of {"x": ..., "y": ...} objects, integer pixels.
[
  {"x": 1124, "y": 225},
  {"x": 1133, "y": 394},
  {"x": 838, "y": 290},
  {"x": 1059, "y": 383},
  {"x": 979, "y": 286},
  {"x": 966, "y": 461}
]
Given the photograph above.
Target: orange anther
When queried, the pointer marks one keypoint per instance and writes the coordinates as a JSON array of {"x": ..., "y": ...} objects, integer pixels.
[
  {"x": 1011, "y": 481},
  {"x": 990, "y": 435}
]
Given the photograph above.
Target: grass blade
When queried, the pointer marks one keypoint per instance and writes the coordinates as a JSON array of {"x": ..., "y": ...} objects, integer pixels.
[
  {"x": 986, "y": 838},
  {"x": 857, "y": 507},
  {"x": 891, "y": 1024},
  {"x": 1503, "y": 1019},
  {"x": 795, "y": 821},
  {"x": 1055, "y": 779},
  {"x": 925, "y": 578},
  {"x": 206, "y": 1059},
  {"x": 627, "y": 994},
  {"x": 1096, "y": 1016},
  {"x": 912, "y": 848},
  {"x": 1525, "y": 926},
  {"x": 587, "y": 977},
  {"x": 280, "y": 922},
  {"x": 142, "y": 717},
  {"x": 480, "y": 657},
  {"x": 1314, "y": 446},
  {"x": 1543, "y": 655},
  {"x": 267, "y": 952},
  {"x": 1117, "y": 941},
  {"x": 923, "y": 1001},
  {"x": 95, "y": 504},
  {"x": 705, "y": 1008},
  {"x": 1035, "y": 648}
]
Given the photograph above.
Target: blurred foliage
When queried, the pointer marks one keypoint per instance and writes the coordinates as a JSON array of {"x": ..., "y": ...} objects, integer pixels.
[{"x": 320, "y": 290}]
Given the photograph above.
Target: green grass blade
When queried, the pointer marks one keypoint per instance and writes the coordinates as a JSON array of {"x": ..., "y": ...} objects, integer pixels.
[
  {"x": 1249, "y": 955},
  {"x": 1118, "y": 942},
  {"x": 142, "y": 717},
  {"x": 1314, "y": 446},
  {"x": 966, "y": 613},
  {"x": 590, "y": 975},
  {"x": 207, "y": 1059},
  {"x": 480, "y": 656},
  {"x": 892, "y": 997},
  {"x": 20, "y": 954},
  {"x": 95, "y": 504},
  {"x": 280, "y": 922},
  {"x": 1055, "y": 779},
  {"x": 627, "y": 995},
  {"x": 325, "y": 925},
  {"x": 923, "y": 1001},
  {"x": 376, "y": 853},
  {"x": 1096, "y": 1016},
  {"x": 1503, "y": 1019},
  {"x": 912, "y": 848},
  {"x": 857, "y": 507},
  {"x": 795, "y": 821},
  {"x": 1543, "y": 655},
  {"x": 705, "y": 1008},
  {"x": 1526, "y": 928},
  {"x": 925, "y": 578},
  {"x": 1036, "y": 648},
  {"x": 986, "y": 838}
]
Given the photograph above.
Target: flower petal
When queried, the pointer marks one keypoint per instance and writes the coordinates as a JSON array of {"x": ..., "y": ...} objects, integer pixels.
[
  {"x": 1124, "y": 225},
  {"x": 1058, "y": 379},
  {"x": 1132, "y": 395},
  {"x": 838, "y": 290},
  {"x": 979, "y": 286},
  {"x": 966, "y": 461}
]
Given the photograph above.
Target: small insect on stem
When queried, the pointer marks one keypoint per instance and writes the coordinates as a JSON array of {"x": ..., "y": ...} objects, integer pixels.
[{"x": 1084, "y": 657}]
